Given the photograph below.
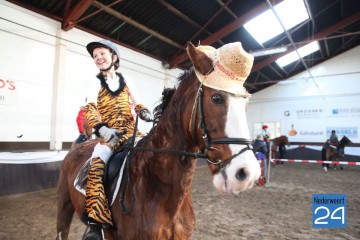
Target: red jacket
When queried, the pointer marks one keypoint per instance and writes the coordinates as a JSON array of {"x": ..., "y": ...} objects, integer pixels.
[{"x": 80, "y": 121}]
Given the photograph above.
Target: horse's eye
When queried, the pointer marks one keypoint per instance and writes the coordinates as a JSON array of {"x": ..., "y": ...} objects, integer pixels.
[{"x": 217, "y": 99}]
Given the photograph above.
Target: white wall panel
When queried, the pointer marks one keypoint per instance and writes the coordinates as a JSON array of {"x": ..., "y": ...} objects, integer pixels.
[
  {"x": 330, "y": 99},
  {"x": 27, "y": 43}
]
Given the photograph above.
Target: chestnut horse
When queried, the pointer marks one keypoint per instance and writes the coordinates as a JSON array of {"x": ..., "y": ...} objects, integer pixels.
[
  {"x": 275, "y": 144},
  {"x": 334, "y": 154},
  {"x": 196, "y": 122}
]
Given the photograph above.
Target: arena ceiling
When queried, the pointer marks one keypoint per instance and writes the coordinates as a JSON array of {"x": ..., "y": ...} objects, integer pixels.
[{"x": 162, "y": 28}]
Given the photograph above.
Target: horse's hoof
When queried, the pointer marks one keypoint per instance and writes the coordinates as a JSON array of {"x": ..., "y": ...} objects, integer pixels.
[{"x": 325, "y": 169}]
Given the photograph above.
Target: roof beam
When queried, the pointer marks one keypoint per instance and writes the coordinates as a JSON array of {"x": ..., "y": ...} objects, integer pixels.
[
  {"x": 227, "y": 9},
  {"x": 137, "y": 25},
  {"x": 316, "y": 37},
  {"x": 211, "y": 20},
  {"x": 71, "y": 17},
  {"x": 184, "y": 17},
  {"x": 223, "y": 32}
]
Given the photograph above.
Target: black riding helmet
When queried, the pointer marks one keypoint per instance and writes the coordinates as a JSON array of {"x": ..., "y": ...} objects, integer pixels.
[{"x": 105, "y": 44}]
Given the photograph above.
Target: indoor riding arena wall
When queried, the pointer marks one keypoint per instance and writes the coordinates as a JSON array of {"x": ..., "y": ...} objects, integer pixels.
[{"x": 40, "y": 170}]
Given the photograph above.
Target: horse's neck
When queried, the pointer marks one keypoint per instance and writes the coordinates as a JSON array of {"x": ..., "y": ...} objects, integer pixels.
[
  {"x": 169, "y": 168},
  {"x": 170, "y": 174}
]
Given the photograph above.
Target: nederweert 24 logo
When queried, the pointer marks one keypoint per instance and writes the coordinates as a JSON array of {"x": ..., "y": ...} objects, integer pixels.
[{"x": 329, "y": 210}]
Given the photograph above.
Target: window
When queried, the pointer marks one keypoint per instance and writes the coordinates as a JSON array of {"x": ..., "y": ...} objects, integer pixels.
[
  {"x": 294, "y": 56},
  {"x": 266, "y": 26}
]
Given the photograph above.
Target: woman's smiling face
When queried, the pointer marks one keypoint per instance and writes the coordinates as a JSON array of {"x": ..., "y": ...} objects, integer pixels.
[{"x": 102, "y": 57}]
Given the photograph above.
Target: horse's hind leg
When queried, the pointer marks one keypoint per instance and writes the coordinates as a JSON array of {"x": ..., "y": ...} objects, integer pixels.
[{"x": 65, "y": 208}]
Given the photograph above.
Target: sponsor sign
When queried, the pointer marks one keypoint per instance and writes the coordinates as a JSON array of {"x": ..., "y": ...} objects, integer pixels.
[
  {"x": 309, "y": 113},
  {"x": 350, "y": 132}
]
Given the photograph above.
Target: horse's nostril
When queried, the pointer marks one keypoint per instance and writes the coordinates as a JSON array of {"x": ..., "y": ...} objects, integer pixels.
[{"x": 241, "y": 174}]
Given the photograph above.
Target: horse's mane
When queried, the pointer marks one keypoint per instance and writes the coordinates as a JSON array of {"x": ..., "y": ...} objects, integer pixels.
[
  {"x": 168, "y": 93},
  {"x": 164, "y": 101}
]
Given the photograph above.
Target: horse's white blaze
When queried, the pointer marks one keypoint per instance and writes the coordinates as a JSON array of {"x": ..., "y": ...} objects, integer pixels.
[{"x": 236, "y": 127}]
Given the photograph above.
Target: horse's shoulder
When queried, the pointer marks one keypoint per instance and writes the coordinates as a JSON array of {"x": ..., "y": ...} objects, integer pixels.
[{"x": 79, "y": 152}]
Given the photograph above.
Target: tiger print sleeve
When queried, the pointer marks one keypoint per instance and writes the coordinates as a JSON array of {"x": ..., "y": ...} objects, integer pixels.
[
  {"x": 92, "y": 115},
  {"x": 134, "y": 95}
]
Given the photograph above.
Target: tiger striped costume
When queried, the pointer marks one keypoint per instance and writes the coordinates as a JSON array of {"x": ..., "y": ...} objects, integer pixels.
[{"x": 112, "y": 110}]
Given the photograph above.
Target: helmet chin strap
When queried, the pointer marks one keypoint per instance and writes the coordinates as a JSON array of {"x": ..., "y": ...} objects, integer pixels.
[
  {"x": 111, "y": 65},
  {"x": 107, "y": 69}
]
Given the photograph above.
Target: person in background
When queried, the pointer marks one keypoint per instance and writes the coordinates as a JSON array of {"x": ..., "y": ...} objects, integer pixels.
[
  {"x": 80, "y": 121},
  {"x": 265, "y": 133},
  {"x": 282, "y": 151},
  {"x": 260, "y": 149},
  {"x": 323, "y": 155},
  {"x": 333, "y": 138},
  {"x": 107, "y": 111},
  {"x": 266, "y": 136}
]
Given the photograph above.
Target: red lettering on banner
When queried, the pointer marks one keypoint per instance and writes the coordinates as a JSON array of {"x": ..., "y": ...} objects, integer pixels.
[
  {"x": 10, "y": 85},
  {"x": 2, "y": 83}
]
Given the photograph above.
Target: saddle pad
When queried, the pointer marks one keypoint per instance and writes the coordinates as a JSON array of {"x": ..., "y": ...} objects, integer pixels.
[
  {"x": 81, "y": 179},
  {"x": 113, "y": 173}
]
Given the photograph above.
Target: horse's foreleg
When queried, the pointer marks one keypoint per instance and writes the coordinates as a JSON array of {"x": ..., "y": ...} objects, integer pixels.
[{"x": 65, "y": 208}]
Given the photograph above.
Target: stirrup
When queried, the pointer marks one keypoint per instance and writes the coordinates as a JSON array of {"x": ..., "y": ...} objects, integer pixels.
[{"x": 95, "y": 233}]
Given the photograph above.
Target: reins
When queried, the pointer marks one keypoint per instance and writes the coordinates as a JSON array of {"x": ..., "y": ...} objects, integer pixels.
[{"x": 127, "y": 175}]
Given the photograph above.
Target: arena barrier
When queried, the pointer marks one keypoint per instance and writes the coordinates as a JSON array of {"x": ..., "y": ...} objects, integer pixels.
[
  {"x": 315, "y": 161},
  {"x": 273, "y": 160}
]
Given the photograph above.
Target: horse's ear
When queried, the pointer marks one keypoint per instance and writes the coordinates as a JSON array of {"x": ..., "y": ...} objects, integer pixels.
[{"x": 202, "y": 63}]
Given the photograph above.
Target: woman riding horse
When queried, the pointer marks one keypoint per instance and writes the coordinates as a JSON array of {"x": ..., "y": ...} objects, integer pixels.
[
  {"x": 335, "y": 153},
  {"x": 204, "y": 118}
]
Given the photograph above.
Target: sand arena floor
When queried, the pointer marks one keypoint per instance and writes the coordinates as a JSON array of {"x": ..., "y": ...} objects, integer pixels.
[{"x": 280, "y": 211}]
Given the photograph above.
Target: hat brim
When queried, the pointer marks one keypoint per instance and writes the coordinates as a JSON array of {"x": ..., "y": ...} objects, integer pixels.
[
  {"x": 91, "y": 46},
  {"x": 220, "y": 81}
]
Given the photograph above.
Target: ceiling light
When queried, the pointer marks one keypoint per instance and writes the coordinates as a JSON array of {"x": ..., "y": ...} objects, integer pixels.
[{"x": 269, "y": 51}]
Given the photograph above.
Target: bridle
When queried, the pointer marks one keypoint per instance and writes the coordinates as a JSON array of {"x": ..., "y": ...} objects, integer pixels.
[
  {"x": 219, "y": 163},
  {"x": 199, "y": 107}
]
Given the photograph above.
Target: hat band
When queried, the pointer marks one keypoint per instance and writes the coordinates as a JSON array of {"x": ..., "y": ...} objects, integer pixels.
[
  {"x": 228, "y": 73},
  {"x": 222, "y": 68}
]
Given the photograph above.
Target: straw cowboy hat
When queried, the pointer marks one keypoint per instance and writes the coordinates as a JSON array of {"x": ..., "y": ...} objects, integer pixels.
[{"x": 232, "y": 66}]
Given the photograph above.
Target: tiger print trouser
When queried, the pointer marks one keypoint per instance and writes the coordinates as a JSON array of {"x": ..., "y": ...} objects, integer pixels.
[{"x": 96, "y": 203}]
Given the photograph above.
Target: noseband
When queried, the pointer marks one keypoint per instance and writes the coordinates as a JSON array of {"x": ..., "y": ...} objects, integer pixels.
[{"x": 199, "y": 106}]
